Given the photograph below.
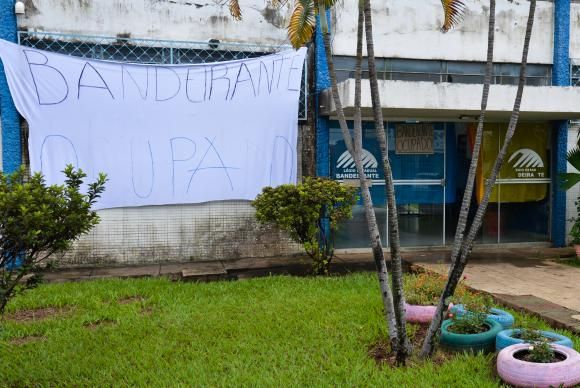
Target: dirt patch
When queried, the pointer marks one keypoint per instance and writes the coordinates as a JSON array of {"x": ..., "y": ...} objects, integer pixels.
[
  {"x": 92, "y": 325},
  {"x": 147, "y": 311},
  {"x": 37, "y": 314},
  {"x": 383, "y": 354},
  {"x": 26, "y": 339},
  {"x": 131, "y": 299}
]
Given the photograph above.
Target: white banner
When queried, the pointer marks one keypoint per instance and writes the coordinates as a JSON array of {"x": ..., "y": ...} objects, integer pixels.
[{"x": 164, "y": 134}]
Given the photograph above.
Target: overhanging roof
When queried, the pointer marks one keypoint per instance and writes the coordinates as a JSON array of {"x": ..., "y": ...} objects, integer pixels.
[{"x": 453, "y": 101}]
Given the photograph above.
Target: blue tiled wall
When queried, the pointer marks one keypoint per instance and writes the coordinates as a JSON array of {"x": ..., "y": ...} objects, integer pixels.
[{"x": 11, "y": 154}]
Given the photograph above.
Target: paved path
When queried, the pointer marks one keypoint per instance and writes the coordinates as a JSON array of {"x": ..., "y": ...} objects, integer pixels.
[
  {"x": 517, "y": 278},
  {"x": 557, "y": 283}
]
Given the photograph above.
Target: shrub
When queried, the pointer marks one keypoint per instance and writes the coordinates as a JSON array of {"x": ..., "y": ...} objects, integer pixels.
[
  {"x": 39, "y": 220},
  {"x": 302, "y": 211}
]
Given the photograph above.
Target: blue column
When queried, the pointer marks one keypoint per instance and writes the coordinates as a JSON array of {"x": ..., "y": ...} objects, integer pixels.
[
  {"x": 11, "y": 154},
  {"x": 560, "y": 77},
  {"x": 322, "y": 83}
]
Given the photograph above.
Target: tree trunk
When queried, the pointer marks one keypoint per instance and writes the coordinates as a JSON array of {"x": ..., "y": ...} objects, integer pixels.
[
  {"x": 375, "y": 239},
  {"x": 468, "y": 193},
  {"x": 460, "y": 264},
  {"x": 403, "y": 347}
]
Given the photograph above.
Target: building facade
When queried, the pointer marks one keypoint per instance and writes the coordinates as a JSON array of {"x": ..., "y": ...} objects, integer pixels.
[
  {"x": 430, "y": 86},
  {"x": 430, "y": 92}
]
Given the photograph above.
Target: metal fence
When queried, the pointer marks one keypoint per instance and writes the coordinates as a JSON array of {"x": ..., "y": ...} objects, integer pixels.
[{"x": 152, "y": 51}]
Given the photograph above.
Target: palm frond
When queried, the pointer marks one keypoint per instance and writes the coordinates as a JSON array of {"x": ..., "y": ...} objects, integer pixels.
[
  {"x": 573, "y": 157},
  {"x": 453, "y": 10},
  {"x": 302, "y": 23},
  {"x": 569, "y": 180},
  {"x": 235, "y": 10}
]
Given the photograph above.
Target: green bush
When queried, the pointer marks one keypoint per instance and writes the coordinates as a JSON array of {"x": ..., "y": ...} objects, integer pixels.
[
  {"x": 39, "y": 220},
  {"x": 301, "y": 210}
]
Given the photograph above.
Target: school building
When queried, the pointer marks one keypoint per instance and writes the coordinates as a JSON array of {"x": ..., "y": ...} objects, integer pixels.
[{"x": 430, "y": 86}]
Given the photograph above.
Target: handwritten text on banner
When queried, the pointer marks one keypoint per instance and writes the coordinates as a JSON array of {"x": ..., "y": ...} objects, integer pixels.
[{"x": 164, "y": 134}]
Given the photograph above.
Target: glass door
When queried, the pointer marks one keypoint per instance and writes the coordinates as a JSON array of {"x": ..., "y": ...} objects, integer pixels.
[{"x": 417, "y": 152}]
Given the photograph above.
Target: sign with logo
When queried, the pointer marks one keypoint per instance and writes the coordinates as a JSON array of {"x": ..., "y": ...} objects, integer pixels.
[
  {"x": 346, "y": 169},
  {"x": 414, "y": 138},
  {"x": 526, "y": 164},
  {"x": 523, "y": 175}
]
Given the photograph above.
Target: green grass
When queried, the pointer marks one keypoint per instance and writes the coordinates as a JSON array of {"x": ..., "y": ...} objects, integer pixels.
[
  {"x": 276, "y": 331},
  {"x": 574, "y": 262}
]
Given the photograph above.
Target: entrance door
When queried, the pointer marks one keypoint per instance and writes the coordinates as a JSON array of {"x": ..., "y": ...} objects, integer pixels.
[{"x": 417, "y": 152}]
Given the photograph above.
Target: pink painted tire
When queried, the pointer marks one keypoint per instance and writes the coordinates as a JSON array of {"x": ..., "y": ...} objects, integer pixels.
[
  {"x": 419, "y": 314},
  {"x": 530, "y": 374}
]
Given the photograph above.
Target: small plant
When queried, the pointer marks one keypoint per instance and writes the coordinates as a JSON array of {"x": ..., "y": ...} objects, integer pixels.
[
  {"x": 575, "y": 230},
  {"x": 539, "y": 349},
  {"x": 425, "y": 289},
  {"x": 39, "y": 220},
  {"x": 302, "y": 210},
  {"x": 472, "y": 321}
]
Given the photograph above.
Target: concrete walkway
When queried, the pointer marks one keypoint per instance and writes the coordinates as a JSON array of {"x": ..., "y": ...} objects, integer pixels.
[
  {"x": 529, "y": 279},
  {"x": 520, "y": 278}
]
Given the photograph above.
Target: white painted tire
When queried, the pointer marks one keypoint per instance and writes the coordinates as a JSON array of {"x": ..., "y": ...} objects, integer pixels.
[{"x": 530, "y": 374}]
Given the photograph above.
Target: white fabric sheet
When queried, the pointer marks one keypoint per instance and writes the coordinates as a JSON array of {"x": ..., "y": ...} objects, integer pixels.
[{"x": 164, "y": 134}]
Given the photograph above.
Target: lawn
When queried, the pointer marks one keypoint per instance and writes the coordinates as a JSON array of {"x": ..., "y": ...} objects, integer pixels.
[
  {"x": 274, "y": 331},
  {"x": 574, "y": 262}
]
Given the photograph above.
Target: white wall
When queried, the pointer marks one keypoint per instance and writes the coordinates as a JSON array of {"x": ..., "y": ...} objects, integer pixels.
[
  {"x": 159, "y": 19},
  {"x": 575, "y": 31},
  {"x": 410, "y": 29}
]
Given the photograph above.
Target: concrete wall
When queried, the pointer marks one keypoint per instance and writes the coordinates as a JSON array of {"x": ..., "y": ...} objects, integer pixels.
[
  {"x": 154, "y": 234},
  {"x": 159, "y": 19},
  {"x": 410, "y": 29},
  {"x": 575, "y": 31}
]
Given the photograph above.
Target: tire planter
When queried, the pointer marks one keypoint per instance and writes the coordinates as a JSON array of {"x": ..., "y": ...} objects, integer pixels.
[
  {"x": 470, "y": 342},
  {"x": 505, "y": 338},
  {"x": 419, "y": 314},
  {"x": 520, "y": 373},
  {"x": 503, "y": 317}
]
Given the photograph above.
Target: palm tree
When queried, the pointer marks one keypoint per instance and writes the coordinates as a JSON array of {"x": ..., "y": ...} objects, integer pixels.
[
  {"x": 455, "y": 10},
  {"x": 375, "y": 238},
  {"x": 403, "y": 347},
  {"x": 463, "y": 253}
]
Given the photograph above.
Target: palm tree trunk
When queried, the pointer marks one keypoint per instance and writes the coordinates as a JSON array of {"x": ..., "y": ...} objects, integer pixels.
[
  {"x": 403, "y": 347},
  {"x": 375, "y": 239},
  {"x": 460, "y": 264},
  {"x": 467, "y": 194}
]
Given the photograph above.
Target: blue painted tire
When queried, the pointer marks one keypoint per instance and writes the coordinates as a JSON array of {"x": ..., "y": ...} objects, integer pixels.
[
  {"x": 505, "y": 339},
  {"x": 505, "y": 319},
  {"x": 480, "y": 342}
]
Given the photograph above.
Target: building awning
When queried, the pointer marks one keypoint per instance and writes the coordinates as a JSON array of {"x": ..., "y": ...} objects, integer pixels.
[{"x": 408, "y": 100}]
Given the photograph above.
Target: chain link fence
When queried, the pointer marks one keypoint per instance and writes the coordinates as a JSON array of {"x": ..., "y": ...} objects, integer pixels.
[{"x": 154, "y": 234}]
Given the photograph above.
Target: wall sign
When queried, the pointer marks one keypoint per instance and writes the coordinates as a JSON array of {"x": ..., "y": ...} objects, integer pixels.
[
  {"x": 414, "y": 138},
  {"x": 164, "y": 134}
]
